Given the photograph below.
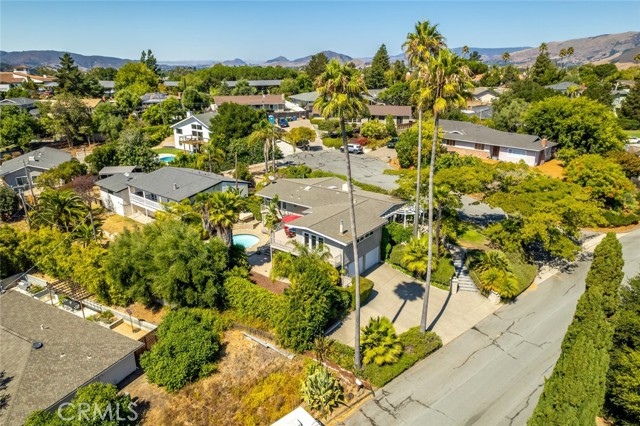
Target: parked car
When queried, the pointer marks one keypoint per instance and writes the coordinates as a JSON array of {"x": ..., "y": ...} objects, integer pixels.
[
  {"x": 282, "y": 122},
  {"x": 353, "y": 148},
  {"x": 633, "y": 140},
  {"x": 392, "y": 143}
]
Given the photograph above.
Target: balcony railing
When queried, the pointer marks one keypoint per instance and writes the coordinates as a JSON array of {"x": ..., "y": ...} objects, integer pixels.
[
  {"x": 280, "y": 241},
  {"x": 145, "y": 203}
]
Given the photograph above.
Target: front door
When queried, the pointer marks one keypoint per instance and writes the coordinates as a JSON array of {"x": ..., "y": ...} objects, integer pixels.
[{"x": 495, "y": 152}]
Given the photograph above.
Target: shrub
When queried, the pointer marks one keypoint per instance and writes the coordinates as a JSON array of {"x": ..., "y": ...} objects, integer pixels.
[
  {"x": 362, "y": 141},
  {"x": 366, "y": 287},
  {"x": 187, "y": 348},
  {"x": 320, "y": 390},
  {"x": 380, "y": 344},
  {"x": 416, "y": 347},
  {"x": 332, "y": 142},
  {"x": 398, "y": 233},
  {"x": 397, "y": 254},
  {"x": 342, "y": 354},
  {"x": 374, "y": 129},
  {"x": 615, "y": 219},
  {"x": 252, "y": 302},
  {"x": 441, "y": 276}
]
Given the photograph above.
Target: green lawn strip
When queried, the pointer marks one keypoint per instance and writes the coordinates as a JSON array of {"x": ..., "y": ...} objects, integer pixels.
[{"x": 168, "y": 150}]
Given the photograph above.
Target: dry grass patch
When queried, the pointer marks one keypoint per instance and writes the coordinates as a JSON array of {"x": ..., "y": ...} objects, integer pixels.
[
  {"x": 552, "y": 168},
  {"x": 253, "y": 386},
  {"x": 116, "y": 224}
]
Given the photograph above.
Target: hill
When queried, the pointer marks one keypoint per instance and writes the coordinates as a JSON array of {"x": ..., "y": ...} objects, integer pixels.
[{"x": 51, "y": 58}]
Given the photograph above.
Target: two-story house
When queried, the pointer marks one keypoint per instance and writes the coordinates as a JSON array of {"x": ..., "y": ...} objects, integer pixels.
[
  {"x": 316, "y": 213},
  {"x": 192, "y": 132},
  {"x": 20, "y": 173}
]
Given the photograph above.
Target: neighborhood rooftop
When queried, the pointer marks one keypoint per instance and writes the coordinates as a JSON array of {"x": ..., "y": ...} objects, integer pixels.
[
  {"x": 257, "y": 83},
  {"x": 74, "y": 351},
  {"x": 250, "y": 99},
  {"x": 204, "y": 118},
  {"x": 329, "y": 204},
  {"x": 44, "y": 158},
  {"x": 176, "y": 183},
  {"x": 476, "y": 133},
  {"x": 118, "y": 182},
  {"x": 393, "y": 110}
]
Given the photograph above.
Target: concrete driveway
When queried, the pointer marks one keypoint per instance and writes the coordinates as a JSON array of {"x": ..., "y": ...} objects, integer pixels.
[
  {"x": 399, "y": 297},
  {"x": 363, "y": 167}
]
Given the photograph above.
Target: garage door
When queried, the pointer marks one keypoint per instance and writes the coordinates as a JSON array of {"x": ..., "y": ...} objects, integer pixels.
[
  {"x": 372, "y": 258},
  {"x": 351, "y": 268}
]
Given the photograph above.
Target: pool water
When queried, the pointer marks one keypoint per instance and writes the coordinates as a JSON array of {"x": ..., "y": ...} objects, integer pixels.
[
  {"x": 167, "y": 158},
  {"x": 245, "y": 240}
]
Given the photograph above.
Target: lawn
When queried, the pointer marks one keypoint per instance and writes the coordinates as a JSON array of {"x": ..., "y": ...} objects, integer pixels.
[
  {"x": 633, "y": 133},
  {"x": 472, "y": 238},
  {"x": 116, "y": 224},
  {"x": 168, "y": 150}
]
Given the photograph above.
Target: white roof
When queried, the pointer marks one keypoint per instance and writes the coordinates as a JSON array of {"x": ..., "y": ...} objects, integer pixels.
[{"x": 298, "y": 417}]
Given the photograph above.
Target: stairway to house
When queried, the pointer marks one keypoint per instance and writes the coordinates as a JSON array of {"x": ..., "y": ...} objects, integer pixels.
[{"x": 461, "y": 280}]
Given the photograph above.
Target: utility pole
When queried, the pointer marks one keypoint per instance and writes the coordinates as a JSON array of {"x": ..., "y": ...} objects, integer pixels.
[
  {"x": 24, "y": 206},
  {"x": 28, "y": 174}
]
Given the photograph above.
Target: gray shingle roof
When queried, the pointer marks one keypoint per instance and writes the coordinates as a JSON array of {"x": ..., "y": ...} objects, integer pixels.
[
  {"x": 204, "y": 119},
  {"x": 562, "y": 86},
  {"x": 255, "y": 83},
  {"x": 118, "y": 182},
  {"x": 476, "y": 133},
  {"x": 112, "y": 170},
  {"x": 305, "y": 97},
  {"x": 21, "y": 102},
  {"x": 74, "y": 351},
  {"x": 42, "y": 158},
  {"x": 188, "y": 182},
  {"x": 328, "y": 204}
]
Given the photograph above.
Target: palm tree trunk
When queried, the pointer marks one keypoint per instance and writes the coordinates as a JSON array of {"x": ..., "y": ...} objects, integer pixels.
[
  {"x": 438, "y": 226},
  {"x": 273, "y": 153},
  {"x": 266, "y": 156},
  {"x": 354, "y": 241},
  {"x": 416, "y": 217},
  {"x": 425, "y": 300}
]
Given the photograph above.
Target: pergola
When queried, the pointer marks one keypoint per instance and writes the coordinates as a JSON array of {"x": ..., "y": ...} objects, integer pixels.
[{"x": 70, "y": 289}]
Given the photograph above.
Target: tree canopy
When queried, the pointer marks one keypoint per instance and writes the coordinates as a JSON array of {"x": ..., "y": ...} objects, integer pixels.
[{"x": 375, "y": 76}]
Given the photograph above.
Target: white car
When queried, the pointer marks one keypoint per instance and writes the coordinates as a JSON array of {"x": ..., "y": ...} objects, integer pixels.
[
  {"x": 633, "y": 140},
  {"x": 353, "y": 148}
]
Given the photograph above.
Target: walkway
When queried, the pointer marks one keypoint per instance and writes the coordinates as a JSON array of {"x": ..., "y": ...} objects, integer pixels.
[
  {"x": 399, "y": 297},
  {"x": 462, "y": 281}
]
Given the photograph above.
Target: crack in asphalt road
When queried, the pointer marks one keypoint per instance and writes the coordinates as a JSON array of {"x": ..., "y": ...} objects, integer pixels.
[{"x": 528, "y": 401}]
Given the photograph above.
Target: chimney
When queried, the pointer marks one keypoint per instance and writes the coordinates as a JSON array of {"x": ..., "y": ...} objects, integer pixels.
[
  {"x": 544, "y": 142},
  {"x": 175, "y": 186},
  {"x": 341, "y": 226},
  {"x": 345, "y": 187},
  {"x": 188, "y": 113}
]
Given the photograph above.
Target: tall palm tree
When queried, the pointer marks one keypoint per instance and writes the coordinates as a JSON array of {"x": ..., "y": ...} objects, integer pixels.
[
  {"x": 273, "y": 218},
  {"x": 465, "y": 50},
  {"x": 219, "y": 211},
  {"x": 443, "y": 199},
  {"x": 505, "y": 57},
  {"x": 215, "y": 155},
  {"x": 570, "y": 51},
  {"x": 265, "y": 133},
  {"x": 63, "y": 210},
  {"x": 420, "y": 45},
  {"x": 340, "y": 90},
  {"x": 447, "y": 77}
]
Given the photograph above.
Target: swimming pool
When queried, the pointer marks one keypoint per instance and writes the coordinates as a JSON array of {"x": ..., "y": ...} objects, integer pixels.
[
  {"x": 245, "y": 240},
  {"x": 167, "y": 158}
]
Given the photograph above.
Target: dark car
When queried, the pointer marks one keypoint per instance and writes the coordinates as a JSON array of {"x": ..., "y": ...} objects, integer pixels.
[
  {"x": 282, "y": 122},
  {"x": 392, "y": 143}
]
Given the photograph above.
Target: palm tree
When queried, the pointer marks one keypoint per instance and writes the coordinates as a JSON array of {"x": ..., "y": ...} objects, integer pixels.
[
  {"x": 425, "y": 42},
  {"x": 63, "y": 210},
  {"x": 505, "y": 57},
  {"x": 380, "y": 344},
  {"x": 447, "y": 77},
  {"x": 219, "y": 211},
  {"x": 340, "y": 90},
  {"x": 84, "y": 233},
  {"x": 273, "y": 218},
  {"x": 570, "y": 51},
  {"x": 465, "y": 50},
  {"x": 214, "y": 155},
  {"x": 416, "y": 255},
  {"x": 496, "y": 275},
  {"x": 265, "y": 133},
  {"x": 443, "y": 199}
]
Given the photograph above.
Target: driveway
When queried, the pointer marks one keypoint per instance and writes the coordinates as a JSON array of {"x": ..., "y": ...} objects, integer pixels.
[
  {"x": 363, "y": 167},
  {"x": 492, "y": 374},
  {"x": 399, "y": 297}
]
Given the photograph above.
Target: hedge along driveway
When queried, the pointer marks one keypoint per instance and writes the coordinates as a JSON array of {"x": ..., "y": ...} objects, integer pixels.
[{"x": 398, "y": 297}]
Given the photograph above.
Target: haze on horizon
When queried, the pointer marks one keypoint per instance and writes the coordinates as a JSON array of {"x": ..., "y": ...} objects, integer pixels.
[{"x": 258, "y": 31}]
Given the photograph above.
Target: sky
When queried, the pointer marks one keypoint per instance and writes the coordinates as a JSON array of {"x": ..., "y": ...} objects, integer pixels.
[{"x": 260, "y": 30}]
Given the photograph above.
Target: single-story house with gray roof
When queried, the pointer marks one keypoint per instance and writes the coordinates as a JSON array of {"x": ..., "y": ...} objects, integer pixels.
[
  {"x": 563, "y": 86},
  {"x": 189, "y": 134},
  {"x": 145, "y": 192},
  {"x": 19, "y": 173},
  {"x": 316, "y": 213},
  {"x": 24, "y": 103},
  {"x": 480, "y": 141},
  {"x": 48, "y": 354}
]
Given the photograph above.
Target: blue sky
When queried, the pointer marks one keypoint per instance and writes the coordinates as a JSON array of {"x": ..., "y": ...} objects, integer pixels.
[{"x": 188, "y": 30}]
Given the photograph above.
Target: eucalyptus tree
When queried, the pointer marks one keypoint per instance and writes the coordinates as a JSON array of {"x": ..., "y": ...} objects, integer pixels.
[{"x": 340, "y": 95}]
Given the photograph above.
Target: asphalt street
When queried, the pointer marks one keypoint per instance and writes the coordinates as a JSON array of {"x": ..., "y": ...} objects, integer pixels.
[{"x": 492, "y": 374}]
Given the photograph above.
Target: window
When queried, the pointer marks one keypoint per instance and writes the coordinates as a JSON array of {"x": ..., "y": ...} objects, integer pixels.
[
  {"x": 196, "y": 127},
  {"x": 179, "y": 131},
  {"x": 197, "y": 134},
  {"x": 365, "y": 236},
  {"x": 306, "y": 239},
  {"x": 152, "y": 197},
  {"x": 449, "y": 142},
  {"x": 480, "y": 146},
  {"x": 517, "y": 151},
  {"x": 313, "y": 241},
  {"x": 22, "y": 180}
]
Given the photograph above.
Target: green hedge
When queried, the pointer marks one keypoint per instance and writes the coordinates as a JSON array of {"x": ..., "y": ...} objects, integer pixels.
[
  {"x": 252, "y": 302},
  {"x": 396, "y": 255},
  {"x": 366, "y": 287},
  {"x": 416, "y": 346},
  {"x": 441, "y": 277},
  {"x": 524, "y": 272},
  {"x": 615, "y": 219},
  {"x": 575, "y": 392},
  {"x": 332, "y": 142}
]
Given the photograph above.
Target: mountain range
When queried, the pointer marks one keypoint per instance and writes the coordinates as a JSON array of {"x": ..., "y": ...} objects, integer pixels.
[{"x": 615, "y": 48}]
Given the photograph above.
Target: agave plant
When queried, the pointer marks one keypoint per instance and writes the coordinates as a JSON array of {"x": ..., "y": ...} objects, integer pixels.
[
  {"x": 380, "y": 344},
  {"x": 321, "y": 390}
]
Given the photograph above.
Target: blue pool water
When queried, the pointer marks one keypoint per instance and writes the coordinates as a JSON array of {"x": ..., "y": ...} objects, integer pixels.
[
  {"x": 245, "y": 240},
  {"x": 167, "y": 158}
]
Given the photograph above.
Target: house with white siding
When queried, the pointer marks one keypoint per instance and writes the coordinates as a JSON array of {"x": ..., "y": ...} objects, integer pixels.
[
  {"x": 192, "y": 132},
  {"x": 315, "y": 213},
  {"x": 480, "y": 141}
]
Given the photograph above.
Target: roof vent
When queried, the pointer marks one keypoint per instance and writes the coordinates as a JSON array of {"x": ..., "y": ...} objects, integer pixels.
[
  {"x": 341, "y": 226},
  {"x": 32, "y": 158},
  {"x": 307, "y": 188},
  {"x": 345, "y": 187},
  {"x": 332, "y": 187},
  {"x": 175, "y": 186},
  {"x": 36, "y": 345}
]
